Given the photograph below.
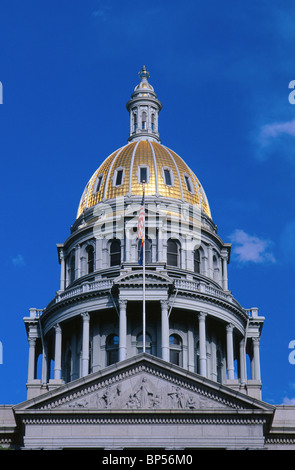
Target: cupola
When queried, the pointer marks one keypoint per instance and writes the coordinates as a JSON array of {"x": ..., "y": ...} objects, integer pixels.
[{"x": 144, "y": 108}]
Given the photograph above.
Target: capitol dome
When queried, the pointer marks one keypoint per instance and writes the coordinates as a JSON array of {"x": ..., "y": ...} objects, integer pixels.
[
  {"x": 164, "y": 172},
  {"x": 144, "y": 159}
]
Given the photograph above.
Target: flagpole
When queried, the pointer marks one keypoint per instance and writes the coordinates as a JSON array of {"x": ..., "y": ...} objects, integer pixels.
[{"x": 143, "y": 283}]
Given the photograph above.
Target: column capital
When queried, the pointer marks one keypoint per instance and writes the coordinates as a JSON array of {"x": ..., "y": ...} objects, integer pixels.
[
  {"x": 57, "y": 328},
  {"x": 229, "y": 327},
  {"x": 164, "y": 303},
  {"x": 224, "y": 254},
  {"x": 202, "y": 315},
  {"x": 85, "y": 316},
  {"x": 256, "y": 340},
  {"x": 123, "y": 303}
]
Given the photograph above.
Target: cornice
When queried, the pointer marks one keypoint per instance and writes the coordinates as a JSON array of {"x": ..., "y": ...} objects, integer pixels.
[{"x": 145, "y": 417}]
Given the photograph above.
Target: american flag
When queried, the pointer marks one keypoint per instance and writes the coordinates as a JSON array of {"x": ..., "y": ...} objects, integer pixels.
[{"x": 141, "y": 229}]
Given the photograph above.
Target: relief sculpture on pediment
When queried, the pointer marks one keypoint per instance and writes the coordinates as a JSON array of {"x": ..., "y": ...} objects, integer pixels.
[
  {"x": 145, "y": 395},
  {"x": 145, "y": 392}
]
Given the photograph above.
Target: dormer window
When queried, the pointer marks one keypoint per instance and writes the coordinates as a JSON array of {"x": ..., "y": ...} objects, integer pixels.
[
  {"x": 143, "y": 174},
  {"x": 118, "y": 176},
  {"x": 188, "y": 182},
  {"x": 97, "y": 184},
  {"x": 168, "y": 176}
]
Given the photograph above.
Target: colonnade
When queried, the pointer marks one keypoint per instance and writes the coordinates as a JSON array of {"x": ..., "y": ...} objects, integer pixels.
[{"x": 165, "y": 347}]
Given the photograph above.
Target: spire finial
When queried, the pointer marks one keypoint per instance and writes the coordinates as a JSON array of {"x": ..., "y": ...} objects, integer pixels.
[{"x": 143, "y": 73}]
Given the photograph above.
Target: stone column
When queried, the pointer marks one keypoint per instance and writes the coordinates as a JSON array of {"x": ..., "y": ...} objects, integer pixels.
[
  {"x": 85, "y": 344},
  {"x": 202, "y": 343},
  {"x": 165, "y": 330},
  {"x": 224, "y": 272},
  {"x": 160, "y": 244},
  {"x": 105, "y": 254},
  {"x": 256, "y": 358},
  {"x": 62, "y": 271},
  {"x": 220, "y": 273},
  {"x": 98, "y": 253},
  {"x": 204, "y": 265},
  {"x": 123, "y": 330},
  {"x": 44, "y": 377},
  {"x": 67, "y": 281},
  {"x": 210, "y": 262},
  {"x": 128, "y": 245},
  {"x": 243, "y": 370},
  {"x": 230, "y": 351},
  {"x": 191, "y": 350},
  {"x": 32, "y": 359},
  {"x": 57, "y": 353},
  {"x": 83, "y": 263},
  {"x": 77, "y": 262}
]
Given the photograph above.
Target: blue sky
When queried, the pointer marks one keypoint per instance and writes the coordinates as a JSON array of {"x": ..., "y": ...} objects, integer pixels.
[{"x": 221, "y": 70}]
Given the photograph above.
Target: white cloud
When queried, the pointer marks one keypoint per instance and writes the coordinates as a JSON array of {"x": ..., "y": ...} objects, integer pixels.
[
  {"x": 288, "y": 401},
  {"x": 18, "y": 260},
  {"x": 250, "y": 248},
  {"x": 276, "y": 139},
  {"x": 277, "y": 129}
]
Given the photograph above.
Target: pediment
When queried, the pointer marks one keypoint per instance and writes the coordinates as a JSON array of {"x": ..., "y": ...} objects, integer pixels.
[
  {"x": 142, "y": 383},
  {"x": 151, "y": 278}
]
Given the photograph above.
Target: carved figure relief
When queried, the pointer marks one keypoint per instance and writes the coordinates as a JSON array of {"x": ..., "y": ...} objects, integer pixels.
[
  {"x": 143, "y": 397},
  {"x": 145, "y": 392}
]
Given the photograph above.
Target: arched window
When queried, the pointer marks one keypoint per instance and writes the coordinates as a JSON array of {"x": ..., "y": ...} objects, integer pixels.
[
  {"x": 135, "y": 121},
  {"x": 115, "y": 252},
  {"x": 153, "y": 122},
  {"x": 172, "y": 252},
  {"x": 175, "y": 344},
  {"x": 148, "y": 250},
  {"x": 143, "y": 120},
  {"x": 197, "y": 261},
  {"x": 112, "y": 349},
  {"x": 90, "y": 259},
  {"x": 148, "y": 343}
]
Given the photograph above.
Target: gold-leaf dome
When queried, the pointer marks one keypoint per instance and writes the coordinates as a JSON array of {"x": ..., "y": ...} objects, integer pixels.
[
  {"x": 144, "y": 158},
  {"x": 164, "y": 172}
]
